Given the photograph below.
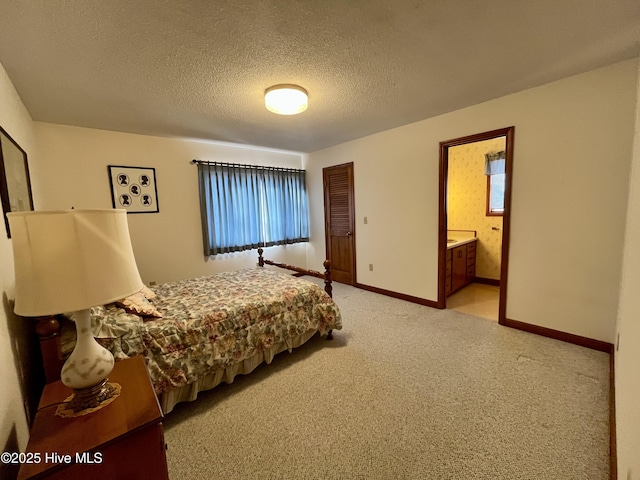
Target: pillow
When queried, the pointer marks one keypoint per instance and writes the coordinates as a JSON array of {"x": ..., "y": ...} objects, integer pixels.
[
  {"x": 114, "y": 328},
  {"x": 147, "y": 292},
  {"x": 140, "y": 305},
  {"x": 111, "y": 321}
]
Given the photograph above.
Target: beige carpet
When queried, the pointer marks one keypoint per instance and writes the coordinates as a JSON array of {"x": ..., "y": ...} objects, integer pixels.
[{"x": 404, "y": 392}]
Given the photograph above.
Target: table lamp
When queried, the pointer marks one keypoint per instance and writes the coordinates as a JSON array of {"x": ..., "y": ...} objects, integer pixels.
[{"x": 69, "y": 261}]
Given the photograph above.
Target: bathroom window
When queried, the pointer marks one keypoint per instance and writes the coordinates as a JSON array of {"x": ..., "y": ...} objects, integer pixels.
[
  {"x": 495, "y": 194},
  {"x": 495, "y": 170}
]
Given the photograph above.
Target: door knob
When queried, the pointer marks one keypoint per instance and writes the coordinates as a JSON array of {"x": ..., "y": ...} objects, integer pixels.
[{"x": 349, "y": 234}]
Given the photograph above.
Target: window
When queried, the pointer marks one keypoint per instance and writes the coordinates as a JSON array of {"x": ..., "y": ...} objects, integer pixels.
[
  {"x": 247, "y": 206},
  {"x": 496, "y": 177},
  {"x": 495, "y": 194}
]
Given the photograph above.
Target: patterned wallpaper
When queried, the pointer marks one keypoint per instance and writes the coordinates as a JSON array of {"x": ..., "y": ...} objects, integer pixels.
[{"x": 467, "y": 199}]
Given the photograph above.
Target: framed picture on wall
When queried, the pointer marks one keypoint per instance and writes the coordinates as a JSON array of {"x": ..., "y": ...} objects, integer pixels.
[
  {"x": 134, "y": 189},
  {"x": 15, "y": 185}
]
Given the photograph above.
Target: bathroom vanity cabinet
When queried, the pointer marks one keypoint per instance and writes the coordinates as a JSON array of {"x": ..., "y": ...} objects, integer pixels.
[{"x": 460, "y": 265}]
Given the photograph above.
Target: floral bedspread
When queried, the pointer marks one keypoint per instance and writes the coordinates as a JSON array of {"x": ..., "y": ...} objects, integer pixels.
[{"x": 216, "y": 321}]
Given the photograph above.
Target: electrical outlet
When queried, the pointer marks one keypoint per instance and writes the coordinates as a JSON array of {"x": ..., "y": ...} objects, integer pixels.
[
  {"x": 371, "y": 267},
  {"x": 365, "y": 220},
  {"x": 151, "y": 284}
]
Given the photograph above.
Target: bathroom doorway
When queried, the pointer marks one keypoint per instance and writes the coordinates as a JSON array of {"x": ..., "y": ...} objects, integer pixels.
[{"x": 462, "y": 218}]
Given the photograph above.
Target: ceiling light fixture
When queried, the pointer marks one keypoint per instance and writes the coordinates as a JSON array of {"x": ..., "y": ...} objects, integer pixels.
[{"x": 286, "y": 99}]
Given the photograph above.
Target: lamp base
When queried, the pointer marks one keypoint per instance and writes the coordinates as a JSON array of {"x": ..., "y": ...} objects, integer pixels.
[{"x": 88, "y": 400}]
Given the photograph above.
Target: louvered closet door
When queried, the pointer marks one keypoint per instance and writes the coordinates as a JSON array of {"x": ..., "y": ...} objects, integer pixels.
[{"x": 339, "y": 221}]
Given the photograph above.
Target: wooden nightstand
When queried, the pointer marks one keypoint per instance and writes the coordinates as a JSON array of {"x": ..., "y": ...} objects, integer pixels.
[{"x": 123, "y": 440}]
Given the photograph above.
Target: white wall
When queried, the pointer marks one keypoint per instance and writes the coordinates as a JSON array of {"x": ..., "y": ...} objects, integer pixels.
[
  {"x": 168, "y": 244},
  {"x": 16, "y": 121},
  {"x": 627, "y": 359},
  {"x": 570, "y": 176}
]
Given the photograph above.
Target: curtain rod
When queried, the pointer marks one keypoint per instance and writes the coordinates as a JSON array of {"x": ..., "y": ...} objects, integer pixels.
[{"x": 241, "y": 165}]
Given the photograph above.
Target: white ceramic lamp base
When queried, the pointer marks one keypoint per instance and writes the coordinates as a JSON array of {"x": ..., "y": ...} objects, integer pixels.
[{"x": 87, "y": 368}]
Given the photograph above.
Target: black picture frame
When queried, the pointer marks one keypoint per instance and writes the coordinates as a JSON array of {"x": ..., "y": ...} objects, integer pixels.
[
  {"x": 15, "y": 182},
  {"x": 134, "y": 188}
]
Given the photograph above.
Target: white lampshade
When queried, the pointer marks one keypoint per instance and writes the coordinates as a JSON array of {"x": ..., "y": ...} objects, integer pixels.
[
  {"x": 286, "y": 99},
  {"x": 71, "y": 260}
]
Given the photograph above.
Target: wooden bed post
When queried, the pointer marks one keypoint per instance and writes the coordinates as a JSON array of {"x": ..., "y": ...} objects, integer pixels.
[
  {"x": 328, "y": 288},
  {"x": 260, "y": 259},
  {"x": 327, "y": 278}
]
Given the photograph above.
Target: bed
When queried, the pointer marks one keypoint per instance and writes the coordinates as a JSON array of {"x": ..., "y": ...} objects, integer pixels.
[{"x": 197, "y": 333}]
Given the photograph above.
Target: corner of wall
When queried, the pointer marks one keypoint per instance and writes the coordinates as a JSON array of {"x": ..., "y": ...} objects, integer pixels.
[
  {"x": 15, "y": 119},
  {"x": 627, "y": 350}
]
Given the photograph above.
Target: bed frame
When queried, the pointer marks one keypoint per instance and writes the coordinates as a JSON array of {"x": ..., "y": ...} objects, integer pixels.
[
  {"x": 48, "y": 328},
  {"x": 302, "y": 271}
]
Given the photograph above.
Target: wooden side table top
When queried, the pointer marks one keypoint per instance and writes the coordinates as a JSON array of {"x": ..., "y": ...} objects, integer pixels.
[{"x": 135, "y": 408}]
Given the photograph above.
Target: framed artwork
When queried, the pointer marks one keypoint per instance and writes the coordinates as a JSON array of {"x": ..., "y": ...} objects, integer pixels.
[
  {"x": 134, "y": 189},
  {"x": 15, "y": 184}
]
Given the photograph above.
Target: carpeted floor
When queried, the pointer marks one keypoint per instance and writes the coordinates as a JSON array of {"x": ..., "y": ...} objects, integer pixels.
[{"x": 404, "y": 392}]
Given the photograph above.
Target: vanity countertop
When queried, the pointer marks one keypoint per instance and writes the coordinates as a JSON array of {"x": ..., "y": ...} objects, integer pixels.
[{"x": 456, "y": 242}]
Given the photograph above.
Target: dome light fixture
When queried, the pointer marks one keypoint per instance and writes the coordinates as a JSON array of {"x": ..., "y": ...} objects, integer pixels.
[{"x": 286, "y": 99}]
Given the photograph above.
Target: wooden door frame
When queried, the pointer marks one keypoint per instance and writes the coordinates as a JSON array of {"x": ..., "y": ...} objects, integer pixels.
[
  {"x": 509, "y": 133},
  {"x": 352, "y": 212}
]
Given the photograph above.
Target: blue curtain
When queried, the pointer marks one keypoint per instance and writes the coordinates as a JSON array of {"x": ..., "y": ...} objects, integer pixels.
[
  {"x": 231, "y": 208},
  {"x": 286, "y": 213},
  {"x": 244, "y": 207}
]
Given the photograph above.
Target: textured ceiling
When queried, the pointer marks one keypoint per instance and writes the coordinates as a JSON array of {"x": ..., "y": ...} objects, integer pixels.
[{"x": 198, "y": 69}]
